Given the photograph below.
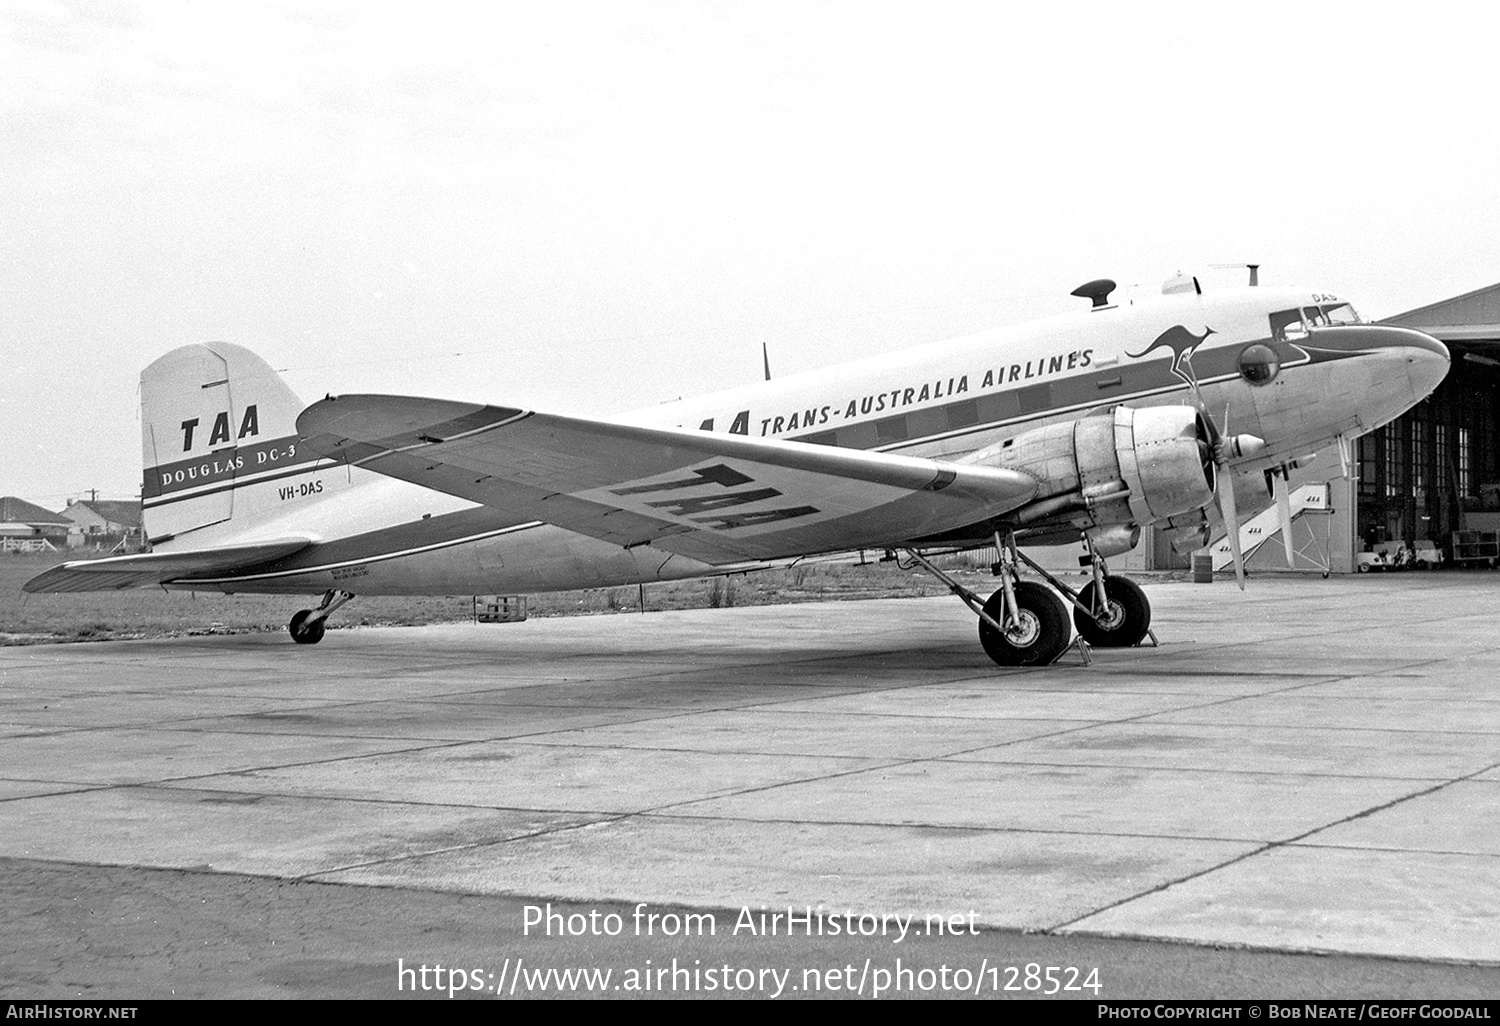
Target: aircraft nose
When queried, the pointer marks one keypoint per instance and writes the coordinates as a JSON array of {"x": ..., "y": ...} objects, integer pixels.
[{"x": 1427, "y": 360}]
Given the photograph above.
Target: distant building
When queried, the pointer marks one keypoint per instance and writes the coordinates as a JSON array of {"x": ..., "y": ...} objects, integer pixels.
[
  {"x": 104, "y": 523},
  {"x": 27, "y": 527}
]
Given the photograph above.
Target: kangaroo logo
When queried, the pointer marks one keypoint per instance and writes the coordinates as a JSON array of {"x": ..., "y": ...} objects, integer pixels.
[{"x": 1182, "y": 343}]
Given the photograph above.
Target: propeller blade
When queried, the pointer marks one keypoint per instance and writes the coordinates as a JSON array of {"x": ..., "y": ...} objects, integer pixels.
[
  {"x": 1192, "y": 376},
  {"x": 1232, "y": 527},
  {"x": 1283, "y": 490}
]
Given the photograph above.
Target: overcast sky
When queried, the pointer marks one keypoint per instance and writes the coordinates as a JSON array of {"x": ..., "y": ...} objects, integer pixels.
[{"x": 590, "y": 207}]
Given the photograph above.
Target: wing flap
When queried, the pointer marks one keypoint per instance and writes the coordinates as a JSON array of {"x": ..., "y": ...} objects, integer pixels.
[
  {"x": 710, "y": 496},
  {"x": 145, "y": 570}
]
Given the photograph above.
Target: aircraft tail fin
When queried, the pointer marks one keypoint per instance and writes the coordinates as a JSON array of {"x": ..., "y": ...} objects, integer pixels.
[{"x": 218, "y": 427}]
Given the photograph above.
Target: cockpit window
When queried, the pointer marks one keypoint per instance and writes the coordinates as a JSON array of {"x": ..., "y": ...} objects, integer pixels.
[
  {"x": 1287, "y": 324},
  {"x": 1340, "y": 313}
]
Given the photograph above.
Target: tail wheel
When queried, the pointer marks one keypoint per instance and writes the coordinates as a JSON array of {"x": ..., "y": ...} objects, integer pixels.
[
  {"x": 1126, "y": 618},
  {"x": 1039, "y": 634},
  {"x": 304, "y": 633}
]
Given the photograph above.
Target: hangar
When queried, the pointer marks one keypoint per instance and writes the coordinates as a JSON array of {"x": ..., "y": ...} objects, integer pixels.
[{"x": 1433, "y": 476}]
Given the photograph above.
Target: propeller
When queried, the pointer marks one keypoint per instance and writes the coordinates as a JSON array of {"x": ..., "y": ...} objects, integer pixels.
[
  {"x": 1283, "y": 489},
  {"x": 1222, "y": 448},
  {"x": 1219, "y": 446}
]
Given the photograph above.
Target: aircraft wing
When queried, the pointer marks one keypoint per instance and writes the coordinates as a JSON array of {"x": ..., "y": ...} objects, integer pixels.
[
  {"x": 713, "y": 497},
  {"x": 148, "y": 569}
]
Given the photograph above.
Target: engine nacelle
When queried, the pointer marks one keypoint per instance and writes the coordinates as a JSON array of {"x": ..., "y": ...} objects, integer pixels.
[{"x": 1126, "y": 466}]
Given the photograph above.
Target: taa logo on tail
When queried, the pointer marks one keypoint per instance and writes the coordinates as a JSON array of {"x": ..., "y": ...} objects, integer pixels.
[{"x": 249, "y": 425}]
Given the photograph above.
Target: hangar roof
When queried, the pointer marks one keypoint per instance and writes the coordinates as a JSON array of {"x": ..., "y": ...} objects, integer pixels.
[{"x": 1471, "y": 317}]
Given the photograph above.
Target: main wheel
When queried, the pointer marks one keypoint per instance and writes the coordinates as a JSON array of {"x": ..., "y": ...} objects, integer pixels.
[
  {"x": 1039, "y": 636},
  {"x": 1126, "y": 617},
  {"x": 304, "y": 633}
]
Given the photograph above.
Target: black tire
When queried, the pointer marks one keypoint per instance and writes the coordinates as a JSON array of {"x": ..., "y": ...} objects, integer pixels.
[
  {"x": 1129, "y": 614},
  {"x": 1044, "y": 632},
  {"x": 305, "y": 633}
]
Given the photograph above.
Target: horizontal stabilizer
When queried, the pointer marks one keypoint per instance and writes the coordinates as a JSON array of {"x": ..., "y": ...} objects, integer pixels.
[
  {"x": 149, "y": 569},
  {"x": 711, "y": 496}
]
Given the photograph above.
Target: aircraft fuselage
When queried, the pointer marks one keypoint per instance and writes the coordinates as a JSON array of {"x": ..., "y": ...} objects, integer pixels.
[{"x": 1297, "y": 382}]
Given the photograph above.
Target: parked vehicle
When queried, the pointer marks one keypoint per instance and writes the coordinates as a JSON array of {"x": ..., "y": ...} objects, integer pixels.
[{"x": 1400, "y": 557}]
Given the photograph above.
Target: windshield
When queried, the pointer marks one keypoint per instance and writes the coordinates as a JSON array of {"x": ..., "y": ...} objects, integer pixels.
[{"x": 1287, "y": 324}]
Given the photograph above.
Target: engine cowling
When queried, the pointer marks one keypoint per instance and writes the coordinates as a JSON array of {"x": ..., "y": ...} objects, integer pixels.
[{"x": 1127, "y": 466}]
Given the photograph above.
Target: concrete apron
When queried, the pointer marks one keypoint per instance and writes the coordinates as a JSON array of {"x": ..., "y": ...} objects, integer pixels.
[{"x": 1310, "y": 765}]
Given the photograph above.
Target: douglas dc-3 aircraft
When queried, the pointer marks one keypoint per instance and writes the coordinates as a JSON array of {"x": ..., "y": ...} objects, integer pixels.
[{"x": 1182, "y": 410}]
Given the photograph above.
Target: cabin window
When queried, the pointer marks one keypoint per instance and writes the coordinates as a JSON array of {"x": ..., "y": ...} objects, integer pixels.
[
  {"x": 892, "y": 429},
  {"x": 1340, "y": 313},
  {"x": 1259, "y": 364},
  {"x": 962, "y": 414}
]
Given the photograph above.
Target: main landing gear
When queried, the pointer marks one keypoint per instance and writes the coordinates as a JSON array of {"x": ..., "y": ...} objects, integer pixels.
[
  {"x": 1025, "y": 623},
  {"x": 307, "y": 626},
  {"x": 1110, "y": 612}
]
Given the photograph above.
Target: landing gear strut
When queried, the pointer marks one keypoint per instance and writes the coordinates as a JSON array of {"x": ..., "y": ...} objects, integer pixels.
[
  {"x": 1111, "y": 612},
  {"x": 1023, "y": 623},
  {"x": 307, "y": 626}
]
